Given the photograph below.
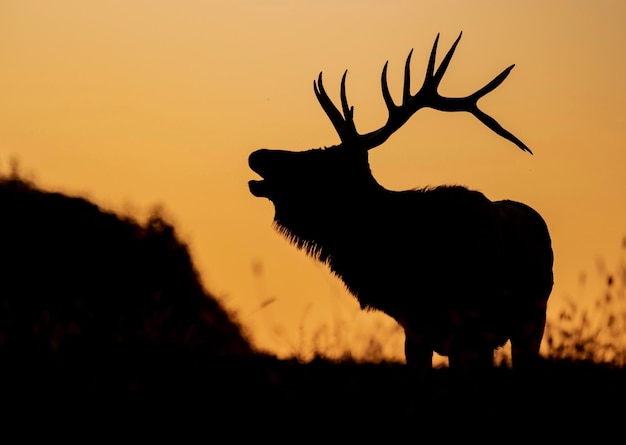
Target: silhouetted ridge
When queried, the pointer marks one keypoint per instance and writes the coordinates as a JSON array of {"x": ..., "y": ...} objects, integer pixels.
[{"x": 74, "y": 277}]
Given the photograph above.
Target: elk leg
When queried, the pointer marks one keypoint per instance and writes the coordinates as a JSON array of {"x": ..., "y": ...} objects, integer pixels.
[{"x": 526, "y": 340}]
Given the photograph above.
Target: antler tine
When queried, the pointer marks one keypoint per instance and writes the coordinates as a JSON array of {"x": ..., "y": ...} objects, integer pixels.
[
  {"x": 406, "y": 90},
  {"x": 443, "y": 66},
  {"x": 431, "y": 61},
  {"x": 495, "y": 83},
  {"x": 391, "y": 105},
  {"x": 348, "y": 111},
  {"x": 489, "y": 121},
  {"x": 343, "y": 128}
]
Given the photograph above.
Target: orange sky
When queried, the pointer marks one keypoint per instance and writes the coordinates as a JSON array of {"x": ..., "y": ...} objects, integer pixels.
[{"x": 142, "y": 103}]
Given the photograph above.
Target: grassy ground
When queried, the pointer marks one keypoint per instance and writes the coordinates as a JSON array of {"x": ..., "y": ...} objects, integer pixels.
[{"x": 273, "y": 397}]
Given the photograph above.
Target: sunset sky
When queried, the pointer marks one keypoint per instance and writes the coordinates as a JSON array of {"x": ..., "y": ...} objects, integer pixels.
[{"x": 136, "y": 104}]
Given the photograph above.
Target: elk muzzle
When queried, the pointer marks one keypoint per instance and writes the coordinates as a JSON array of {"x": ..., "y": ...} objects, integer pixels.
[
  {"x": 267, "y": 164},
  {"x": 274, "y": 167},
  {"x": 257, "y": 162}
]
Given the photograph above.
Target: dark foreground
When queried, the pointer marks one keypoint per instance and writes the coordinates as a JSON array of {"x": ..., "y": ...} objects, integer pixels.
[{"x": 276, "y": 395}]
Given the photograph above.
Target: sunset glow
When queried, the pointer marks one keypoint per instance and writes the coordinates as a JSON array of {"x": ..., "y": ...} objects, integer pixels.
[{"x": 137, "y": 104}]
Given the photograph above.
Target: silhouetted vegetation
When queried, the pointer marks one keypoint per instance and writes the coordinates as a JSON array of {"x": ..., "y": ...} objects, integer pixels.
[
  {"x": 75, "y": 278},
  {"x": 596, "y": 334}
]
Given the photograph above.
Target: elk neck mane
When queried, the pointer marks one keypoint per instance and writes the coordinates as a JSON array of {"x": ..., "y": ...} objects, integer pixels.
[{"x": 324, "y": 243}]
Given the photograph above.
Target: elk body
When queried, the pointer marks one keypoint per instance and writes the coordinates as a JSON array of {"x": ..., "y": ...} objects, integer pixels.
[{"x": 460, "y": 273}]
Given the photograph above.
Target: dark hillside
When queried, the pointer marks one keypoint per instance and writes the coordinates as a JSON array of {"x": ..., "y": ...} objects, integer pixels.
[{"x": 76, "y": 278}]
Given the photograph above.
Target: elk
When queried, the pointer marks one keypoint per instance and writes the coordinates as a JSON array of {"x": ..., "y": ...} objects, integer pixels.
[{"x": 461, "y": 274}]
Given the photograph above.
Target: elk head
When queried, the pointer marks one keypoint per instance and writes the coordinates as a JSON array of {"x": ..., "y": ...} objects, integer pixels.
[{"x": 307, "y": 187}]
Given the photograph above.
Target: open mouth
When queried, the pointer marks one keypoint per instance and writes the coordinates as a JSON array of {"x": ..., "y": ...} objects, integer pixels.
[
  {"x": 258, "y": 188},
  {"x": 258, "y": 163}
]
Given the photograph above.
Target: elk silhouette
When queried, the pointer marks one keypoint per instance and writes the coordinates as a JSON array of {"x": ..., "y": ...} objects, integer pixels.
[{"x": 460, "y": 273}]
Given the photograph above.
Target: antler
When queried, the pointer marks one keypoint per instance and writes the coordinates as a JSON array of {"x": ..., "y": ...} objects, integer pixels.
[{"x": 427, "y": 96}]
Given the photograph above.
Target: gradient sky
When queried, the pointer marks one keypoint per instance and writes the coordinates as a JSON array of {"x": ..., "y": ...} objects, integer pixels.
[{"x": 136, "y": 104}]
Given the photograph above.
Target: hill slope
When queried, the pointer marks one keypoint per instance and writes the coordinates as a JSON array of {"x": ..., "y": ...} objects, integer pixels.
[{"x": 74, "y": 277}]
